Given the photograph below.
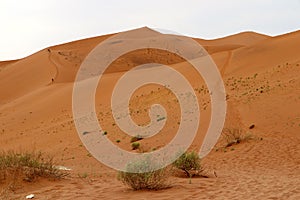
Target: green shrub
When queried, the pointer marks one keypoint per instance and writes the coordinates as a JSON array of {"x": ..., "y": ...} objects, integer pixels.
[
  {"x": 135, "y": 145},
  {"x": 145, "y": 176},
  {"x": 189, "y": 163}
]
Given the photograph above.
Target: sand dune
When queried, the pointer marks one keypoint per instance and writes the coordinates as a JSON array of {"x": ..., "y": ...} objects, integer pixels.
[
  {"x": 232, "y": 42},
  {"x": 269, "y": 53},
  {"x": 261, "y": 76},
  {"x": 243, "y": 39}
]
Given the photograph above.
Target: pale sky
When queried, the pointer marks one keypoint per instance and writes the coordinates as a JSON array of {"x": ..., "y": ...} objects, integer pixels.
[{"x": 31, "y": 25}]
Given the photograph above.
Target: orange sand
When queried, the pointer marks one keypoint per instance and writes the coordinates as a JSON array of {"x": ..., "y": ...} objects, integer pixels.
[{"x": 262, "y": 79}]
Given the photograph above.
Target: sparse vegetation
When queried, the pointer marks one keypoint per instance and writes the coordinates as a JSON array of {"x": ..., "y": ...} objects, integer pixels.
[
  {"x": 234, "y": 136},
  {"x": 135, "y": 145},
  {"x": 189, "y": 163},
  {"x": 89, "y": 155},
  {"x": 145, "y": 176},
  {"x": 16, "y": 167}
]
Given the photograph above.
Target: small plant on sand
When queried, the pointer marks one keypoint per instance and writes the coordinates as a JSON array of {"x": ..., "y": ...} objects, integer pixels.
[
  {"x": 16, "y": 167},
  {"x": 234, "y": 136},
  {"x": 135, "y": 145},
  {"x": 189, "y": 162},
  {"x": 142, "y": 174}
]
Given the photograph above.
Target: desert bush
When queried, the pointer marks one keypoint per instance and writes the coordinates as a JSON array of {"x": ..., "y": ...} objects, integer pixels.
[
  {"x": 234, "y": 136},
  {"x": 27, "y": 167},
  {"x": 142, "y": 174},
  {"x": 189, "y": 162},
  {"x": 135, "y": 145}
]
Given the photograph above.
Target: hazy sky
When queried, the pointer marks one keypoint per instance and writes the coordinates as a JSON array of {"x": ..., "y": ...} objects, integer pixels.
[{"x": 31, "y": 25}]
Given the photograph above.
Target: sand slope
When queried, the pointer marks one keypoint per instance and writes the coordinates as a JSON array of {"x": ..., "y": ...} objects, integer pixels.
[{"x": 261, "y": 76}]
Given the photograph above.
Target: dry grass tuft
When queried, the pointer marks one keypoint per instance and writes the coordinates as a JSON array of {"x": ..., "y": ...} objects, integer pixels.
[
  {"x": 18, "y": 167},
  {"x": 142, "y": 180},
  {"x": 234, "y": 136}
]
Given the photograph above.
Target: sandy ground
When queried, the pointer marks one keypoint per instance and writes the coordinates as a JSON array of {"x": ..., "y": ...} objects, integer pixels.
[{"x": 261, "y": 76}]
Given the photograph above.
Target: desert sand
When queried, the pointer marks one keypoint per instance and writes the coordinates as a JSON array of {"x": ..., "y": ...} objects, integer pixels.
[{"x": 262, "y": 80}]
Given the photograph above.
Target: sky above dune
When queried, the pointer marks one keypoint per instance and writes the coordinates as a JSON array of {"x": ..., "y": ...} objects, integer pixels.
[{"x": 29, "y": 26}]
